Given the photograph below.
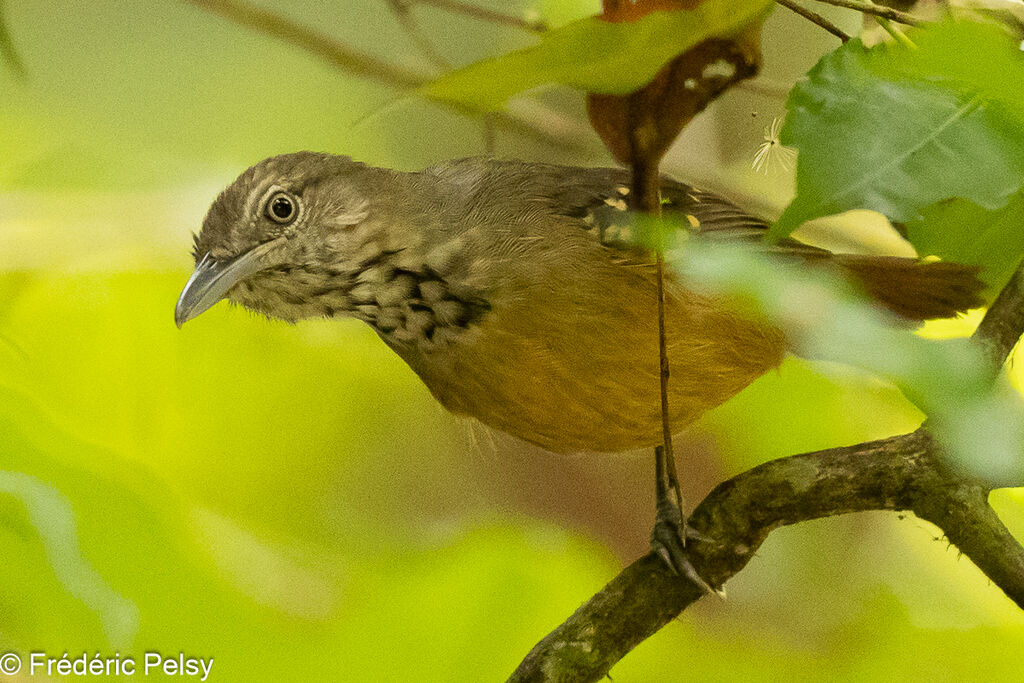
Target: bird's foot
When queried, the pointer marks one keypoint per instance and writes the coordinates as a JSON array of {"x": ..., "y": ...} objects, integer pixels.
[
  {"x": 670, "y": 533},
  {"x": 668, "y": 541}
]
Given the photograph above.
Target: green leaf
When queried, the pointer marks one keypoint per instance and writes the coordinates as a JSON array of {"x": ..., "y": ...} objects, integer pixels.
[
  {"x": 896, "y": 129},
  {"x": 961, "y": 231},
  {"x": 824, "y": 318},
  {"x": 595, "y": 55},
  {"x": 973, "y": 57}
]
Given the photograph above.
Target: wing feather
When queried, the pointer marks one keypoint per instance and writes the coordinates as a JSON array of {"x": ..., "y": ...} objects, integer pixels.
[{"x": 597, "y": 197}]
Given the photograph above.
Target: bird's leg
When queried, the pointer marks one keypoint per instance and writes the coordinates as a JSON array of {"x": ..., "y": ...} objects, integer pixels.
[
  {"x": 668, "y": 491},
  {"x": 668, "y": 481},
  {"x": 668, "y": 538}
]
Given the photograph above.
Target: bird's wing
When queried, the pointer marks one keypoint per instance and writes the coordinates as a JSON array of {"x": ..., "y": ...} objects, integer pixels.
[
  {"x": 912, "y": 289},
  {"x": 599, "y": 198}
]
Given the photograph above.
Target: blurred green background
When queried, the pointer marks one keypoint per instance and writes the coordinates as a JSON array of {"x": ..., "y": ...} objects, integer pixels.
[{"x": 289, "y": 500}]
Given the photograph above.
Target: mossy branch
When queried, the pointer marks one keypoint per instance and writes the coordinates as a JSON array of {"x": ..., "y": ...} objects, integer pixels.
[{"x": 905, "y": 472}]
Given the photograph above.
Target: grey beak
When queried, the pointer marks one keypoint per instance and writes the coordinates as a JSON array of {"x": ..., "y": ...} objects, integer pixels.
[{"x": 212, "y": 279}]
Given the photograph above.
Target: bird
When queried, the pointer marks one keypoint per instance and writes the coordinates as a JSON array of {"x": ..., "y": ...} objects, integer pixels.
[{"x": 517, "y": 290}]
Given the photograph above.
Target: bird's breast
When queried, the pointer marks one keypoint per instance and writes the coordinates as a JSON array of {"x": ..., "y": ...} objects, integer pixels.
[{"x": 578, "y": 369}]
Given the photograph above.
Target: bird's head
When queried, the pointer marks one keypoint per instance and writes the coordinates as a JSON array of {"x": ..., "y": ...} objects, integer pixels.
[{"x": 283, "y": 239}]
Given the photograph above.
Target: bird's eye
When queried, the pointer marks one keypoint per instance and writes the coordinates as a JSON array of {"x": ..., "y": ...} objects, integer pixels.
[{"x": 282, "y": 208}]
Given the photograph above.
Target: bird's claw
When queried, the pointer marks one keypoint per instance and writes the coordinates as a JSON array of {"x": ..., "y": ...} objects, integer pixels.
[{"x": 668, "y": 541}]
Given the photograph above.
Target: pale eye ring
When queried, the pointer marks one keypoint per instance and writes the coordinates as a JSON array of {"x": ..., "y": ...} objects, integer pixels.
[{"x": 282, "y": 207}]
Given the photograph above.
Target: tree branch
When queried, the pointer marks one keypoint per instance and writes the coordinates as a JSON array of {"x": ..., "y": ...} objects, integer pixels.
[
  {"x": 333, "y": 52},
  {"x": 1003, "y": 324},
  {"x": 868, "y": 7},
  {"x": 483, "y": 14},
  {"x": 899, "y": 473},
  {"x": 815, "y": 18},
  {"x": 551, "y": 131}
]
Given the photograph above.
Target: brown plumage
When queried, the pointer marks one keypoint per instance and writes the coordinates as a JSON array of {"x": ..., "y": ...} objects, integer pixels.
[{"x": 513, "y": 289}]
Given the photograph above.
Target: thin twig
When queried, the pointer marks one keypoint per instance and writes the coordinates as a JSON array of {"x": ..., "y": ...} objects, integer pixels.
[
  {"x": 490, "y": 135},
  {"x": 646, "y": 194},
  {"x": 7, "y": 49},
  {"x": 877, "y": 10},
  {"x": 333, "y": 52},
  {"x": 765, "y": 87},
  {"x": 14, "y": 347},
  {"x": 1001, "y": 328},
  {"x": 894, "y": 31},
  {"x": 816, "y": 18},
  {"x": 352, "y": 61},
  {"x": 485, "y": 14},
  {"x": 400, "y": 8}
]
